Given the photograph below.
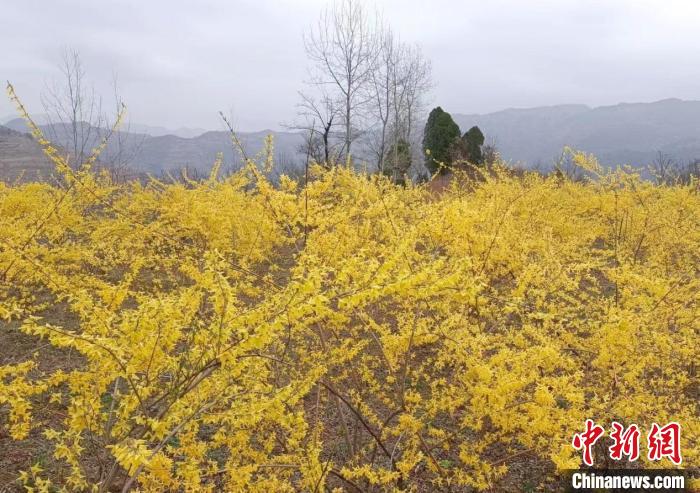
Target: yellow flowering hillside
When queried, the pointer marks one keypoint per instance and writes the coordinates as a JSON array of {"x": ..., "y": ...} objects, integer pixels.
[{"x": 346, "y": 335}]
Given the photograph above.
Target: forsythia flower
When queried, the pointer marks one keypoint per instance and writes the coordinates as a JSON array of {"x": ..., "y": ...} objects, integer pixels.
[{"x": 235, "y": 335}]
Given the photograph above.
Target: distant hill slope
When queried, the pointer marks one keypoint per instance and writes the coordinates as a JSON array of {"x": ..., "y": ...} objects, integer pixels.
[
  {"x": 157, "y": 131},
  {"x": 11, "y": 121},
  {"x": 21, "y": 156},
  {"x": 620, "y": 134},
  {"x": 170, "y": 152}
]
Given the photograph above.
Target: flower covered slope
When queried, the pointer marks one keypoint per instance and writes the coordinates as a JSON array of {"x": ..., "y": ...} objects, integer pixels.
[{"x": 351, "y": 334}]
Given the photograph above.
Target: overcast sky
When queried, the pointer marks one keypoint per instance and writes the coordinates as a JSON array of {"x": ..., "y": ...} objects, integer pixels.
[{"x": 179, "y": 62}]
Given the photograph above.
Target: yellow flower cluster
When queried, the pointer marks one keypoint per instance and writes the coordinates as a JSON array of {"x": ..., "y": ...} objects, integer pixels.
[{"x": 354, "y": 335}]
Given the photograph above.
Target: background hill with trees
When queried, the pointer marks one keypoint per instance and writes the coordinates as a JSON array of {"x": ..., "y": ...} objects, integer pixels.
[
  {"x": 632, "y": 134},
  {"x": 626, "y": 133}
]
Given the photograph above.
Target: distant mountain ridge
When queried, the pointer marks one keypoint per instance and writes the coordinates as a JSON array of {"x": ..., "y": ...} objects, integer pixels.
[
  {"x": 626, "y": 133},
  {"x": 21, "y": 156},
  {"x": 157, "y": 154},
  {"x": 158, "y": 131},
  {"x": 11, "y": 121},
  {"x": 172, "y": 152}
]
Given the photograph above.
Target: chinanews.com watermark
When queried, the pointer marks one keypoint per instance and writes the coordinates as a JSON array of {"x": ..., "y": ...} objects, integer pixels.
[
  {"x": 657, "y": 480},
  {"x": 661, "y": 442}
]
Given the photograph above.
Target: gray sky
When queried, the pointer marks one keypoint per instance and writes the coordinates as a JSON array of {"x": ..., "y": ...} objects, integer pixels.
[{"x": 179, "y": 62}]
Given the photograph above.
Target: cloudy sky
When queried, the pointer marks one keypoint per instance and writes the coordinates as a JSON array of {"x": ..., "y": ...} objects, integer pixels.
[{"x": 179, "y": 62}]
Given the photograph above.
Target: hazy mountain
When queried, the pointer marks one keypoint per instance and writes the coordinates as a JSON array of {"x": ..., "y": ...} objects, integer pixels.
[
  {"x": 20, "y": 155},
  {"x": 15, "y": 123},
  {"x": 18, "y": 124},
  {"x": 157, "y": 131},
  {"x": 170, "y": 152},
  {"x": 620, "y": 134},
  {"x": 146, "y": 153},
  {"x": 6, "y": 118}
]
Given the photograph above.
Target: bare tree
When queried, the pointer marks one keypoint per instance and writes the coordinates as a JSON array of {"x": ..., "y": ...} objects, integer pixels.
[
  {"x": 380, "y": 95},
  {"x": 397, "y": 89},
  {"x": 73, "y": 111},
  {"x": 343, "y": 47},
  {"x": 412, "y": 81},
  {"x": 288, "y": 166},
  {"x": 391, "y": 84},
  {"x": 76, "y": 120},
  {"x": 319, "y": 117},
  {"x": 124, "y": 146},
  {"x": 665, "y": 169},
  {"x": 566, "y": 168},
  {"x": 490, "y": 152},
  {"x": 691, "y": 171}
]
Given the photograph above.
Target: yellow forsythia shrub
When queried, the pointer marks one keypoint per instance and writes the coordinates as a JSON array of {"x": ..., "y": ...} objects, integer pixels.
[{"x": 232, "y": 335}]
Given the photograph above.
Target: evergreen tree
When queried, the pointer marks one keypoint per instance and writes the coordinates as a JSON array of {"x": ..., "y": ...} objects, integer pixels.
[
  {"x": 440, "y": 133},
  {"x": 468, "y": 148},
  {"x": 473, "y": 140}
]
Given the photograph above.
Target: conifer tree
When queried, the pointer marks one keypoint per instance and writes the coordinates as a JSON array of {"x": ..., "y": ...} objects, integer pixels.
[{"x": 440, "y": 133}]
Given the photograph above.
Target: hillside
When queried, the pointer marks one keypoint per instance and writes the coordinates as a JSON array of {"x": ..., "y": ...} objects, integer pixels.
[
  {"x": 171, "y": 152},
  {"x": 20, "y": 155},
  {"x": 156, "y": 154},
  {"x": 623, "y": 133},
  {"x": 462, "y": 330},
  {"x": 619, "y": 134}
]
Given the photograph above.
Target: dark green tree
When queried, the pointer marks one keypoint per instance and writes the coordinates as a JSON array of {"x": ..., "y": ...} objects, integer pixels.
[
  {"x": 473, "y": 140},
  {"x": 438, "y": 137},
  {"x": 469, "y": 148}
]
